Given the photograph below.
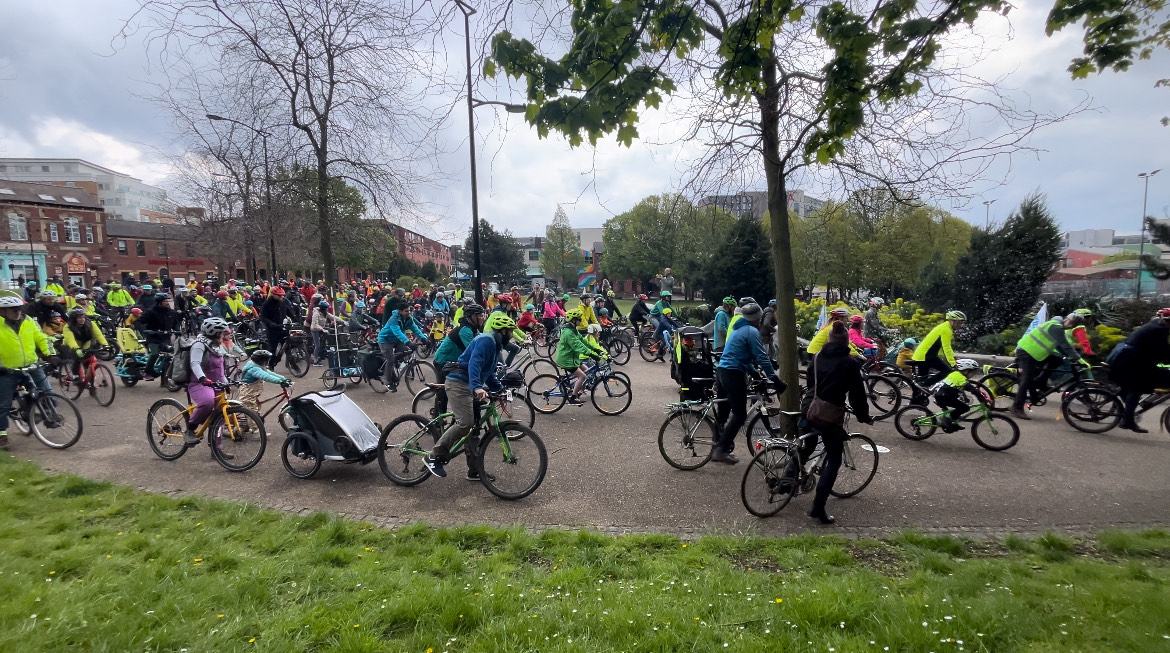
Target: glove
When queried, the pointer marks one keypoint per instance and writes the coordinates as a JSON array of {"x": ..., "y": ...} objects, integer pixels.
[
  {"x": 780, "y": 386},
  {"x": 79, "y": 352},
  {"x": 55, "y": 359},
  {"x": 207, "y": 382},
  {"x": 286, "y": 383}
]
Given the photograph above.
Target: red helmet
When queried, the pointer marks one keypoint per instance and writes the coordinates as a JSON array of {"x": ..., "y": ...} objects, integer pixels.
[
  {"x": 136, "y": 311},
  {"x": 856, "y": 319},
  {"x": 221, "y": 294},
  {"x": 418, "y": 305},
  {"x": 279, "y": 292},
  {"x": 507, "y": 299},
  {"x": 1164, "y": 312},
  {"x": 643, "y": 297}
]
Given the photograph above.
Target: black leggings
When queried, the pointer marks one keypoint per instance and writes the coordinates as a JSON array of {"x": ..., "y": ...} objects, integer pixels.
[
  {"x": 834, "y": 440},
  {"x": 732, "y": 385}
]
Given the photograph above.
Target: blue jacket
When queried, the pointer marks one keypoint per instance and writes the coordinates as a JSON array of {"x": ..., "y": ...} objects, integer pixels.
[
  {"x": 479, "y": 359},
  {"x": 721, "y": 322},
  {"x": 441, "y": 306},
  {"x": 743, "y": 351},
  {"x": 253, "y": 372},
  {"x": 393, "y": 330}
]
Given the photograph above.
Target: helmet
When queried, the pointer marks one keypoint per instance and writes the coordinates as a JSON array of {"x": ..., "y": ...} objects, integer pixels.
[
  {"x": 249, "y": 303},
  {"x": 856, "y": 319},
  {"x": 279, "y": 292},
  {"x": 574, "y": 315},
  {"x": 360, "y": 305},
  {"x": 504, "y": 299},
  {"x": 1074, "y": 317},
  {"x": 744, "y": 301},
  {"x": 137, "y": 311},
  {"x": 565, "y": 296},
  {"x": 529, "y": 307},
  {"x": 603, "y": 311},
  {"x": 1083, "y": 312},
  {"x": 594, "y": 328},
  {"x": 729, "y": 300},
  {"x": 46, "y": 294},
  {"x": 667, "y": 311},
  {"x": 417, "y": 306},
  {"x": 956, "y": 315},
  {"x": 429, "y": 314},
  {"x": 182, "y": 289},
  {"x": 839, "y": 312},
  {"x": 772, "y": 303},
  {"x": 472, "y": 309},
  {"x": 1163, "y": 312},
  {"x": 213, "y": 327},
  {"x": 233, "y": 290},
  {"x": 261, "y": 356},
  {"x": 665, "y": 293},
  {"x": 877, "y": 301},
  {"x": 80, "y": 296},
  {"x": 221, "y": 294},
  {"x": 643, "y": 297},
  {"x": 11, "y": 301},
  {"x": 163, "y": 296},
  {"x": 964, "y": 364},
  {"x": 611, "y": 294},
  {"x": 147, "y": 286},
  {"x": 909, "y": 342},
  {"x": 115, "y": 285},
  {"x": 499, "y": 321},
  {"x": 322, "y": 304}
]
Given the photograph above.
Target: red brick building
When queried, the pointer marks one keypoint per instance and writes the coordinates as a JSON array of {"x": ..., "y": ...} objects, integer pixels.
[
  {"x": 139, "y": 251},
  {"x": 420, "y": 249},
  {"x": 50, "y": 230}
]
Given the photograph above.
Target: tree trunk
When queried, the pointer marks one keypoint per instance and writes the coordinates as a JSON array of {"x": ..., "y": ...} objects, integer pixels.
[{"x": 323, "y": 218}]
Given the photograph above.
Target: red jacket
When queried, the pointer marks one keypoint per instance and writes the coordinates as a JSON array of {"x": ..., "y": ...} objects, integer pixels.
[
  {"x": 307, "y": 292},
  {"x": 526, "y": 321}
]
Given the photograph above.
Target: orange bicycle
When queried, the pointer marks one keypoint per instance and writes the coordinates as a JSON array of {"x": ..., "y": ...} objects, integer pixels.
[{"x": 92, "y": 375}]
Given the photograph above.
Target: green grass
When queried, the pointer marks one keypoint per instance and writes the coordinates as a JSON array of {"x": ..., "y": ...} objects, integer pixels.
[
  {"x": 626, "y": 304},
  {"x": 98, "y": 566}
]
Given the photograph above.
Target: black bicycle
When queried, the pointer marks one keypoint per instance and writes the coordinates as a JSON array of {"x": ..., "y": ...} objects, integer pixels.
[{"x": 52, "y": 418}]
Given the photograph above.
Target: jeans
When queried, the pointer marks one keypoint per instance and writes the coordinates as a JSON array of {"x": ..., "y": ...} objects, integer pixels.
[
  {"x": 730, "y": 385},
  {"x": 318, "y": 346},
  {"x": 662, "y": 332},
  {"x": 8, "y": 385},
  {"x": 461, "y": 401},
  {"x": 389, "y": 350},
  {"x": 834, "y": 440},
  {"x": 512, "y": 348}
]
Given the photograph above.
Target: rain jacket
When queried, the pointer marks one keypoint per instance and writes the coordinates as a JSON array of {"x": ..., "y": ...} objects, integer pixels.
[
  {"x": 937, "y": 344},
  {"x": 743, "y": 351},
  {"x": 572, "y": 348},
  {"x": 19, "y": 346}
]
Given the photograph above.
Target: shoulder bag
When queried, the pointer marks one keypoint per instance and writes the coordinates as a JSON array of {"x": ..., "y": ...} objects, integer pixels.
[{"x": 821, "y": 413}]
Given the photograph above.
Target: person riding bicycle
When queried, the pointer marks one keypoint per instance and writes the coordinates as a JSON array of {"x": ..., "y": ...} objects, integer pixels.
[
  {"x": 950, "y": 394},
  {"x": 1080, "y": 333},
  {"x": 667, "y": 325},
  {"x": 656, "y": 312},
  {"x": 935, "y": 353},
  {"x": 1038, "y": 353},
  {"x": 874, "y": 330},
  {"x": 441, "y": 305},
  {"x": 901, "y": 357},
  {"x": 253, "y": 376},
  {"x": 611, "y": 304},
  {"x": 207, "y": 370},
  {"x": 454, "y": 344},
  {"x": 742, "y": 355},
  {"x": 21, "y": 345},
  {"x": 46, "y": 310},
  {"x": 822, "y": 337},
  {"x": 472, "y": 376},
  {"x": 855, "y": 337},
  {"x": 222, "y": 308},
  {"x": 393, "y": 339},
  {"x": 118, "y": 297},
  {"x": 147, "y": 299},
  {"x": 572, "y": 349},
  {"x": 80, "y": 335},
  {"x": 360, "y": 320},
  {"x": 527, "y": 320},
  {"x": 639, "y": 313},
  {"x": 552, "y": 310},
  {"x": 722, "y": 326},
  {"x": 157, "y": 325},
  {"x": 1136, "y": 365},
  {"x": 235, "y": 302},
  {"x": 273, "y": 312}
]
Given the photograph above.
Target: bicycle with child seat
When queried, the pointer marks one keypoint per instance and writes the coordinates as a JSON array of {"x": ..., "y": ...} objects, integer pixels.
[
  {"x": 1098, "y": 409},
  {"x": 610, "y": 392},
  {"x": 1002, "y": 383},
  {"x": 778, "y": 472},
  {"x": 690, "y": 431},
  {"x": 509, "y": 457},
  {"x": 229, "y": 432},
  {"x": 92, "y": 376},
  {"x": 990, "y": 429},
  {"x": 50, "y": 417}
]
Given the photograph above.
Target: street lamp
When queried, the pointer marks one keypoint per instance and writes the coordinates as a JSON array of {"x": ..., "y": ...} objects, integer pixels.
[
  {"x": 267, "y": 192},
  {"x": 1137, "y": 293},
  {"x": 987, "y": 218},
  {"x": 472, "y": 103}
]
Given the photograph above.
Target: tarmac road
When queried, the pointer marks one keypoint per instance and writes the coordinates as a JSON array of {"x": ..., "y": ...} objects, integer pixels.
[{"x": 606, "y": 473}]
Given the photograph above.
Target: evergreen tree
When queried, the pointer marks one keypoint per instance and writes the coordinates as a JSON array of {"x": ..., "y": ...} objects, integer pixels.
[
  {"x": 429, "y": 272},
  {"x": 561, "y": 258},
  {"x": 500, "y": 254},
  {"x": 742, "y": 267}
]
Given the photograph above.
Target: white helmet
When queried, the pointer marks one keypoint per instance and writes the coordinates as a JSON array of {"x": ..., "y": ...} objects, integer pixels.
[
  {"x": 45, "y": 294},
  {"x": 877, "y": 301},
  {"x": 964, "y": 364},
  {"x": 213, "y": 327},
  {"x": 594, "y": 328},
  {"x": 11, "y": 301}
]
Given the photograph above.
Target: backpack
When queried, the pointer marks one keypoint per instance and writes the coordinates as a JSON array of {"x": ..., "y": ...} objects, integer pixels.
[{"x": 181, "y": 363}]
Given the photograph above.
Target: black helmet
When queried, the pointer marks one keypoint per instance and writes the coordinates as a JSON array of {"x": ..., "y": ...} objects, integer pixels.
[
  {"x": 162, "y": 296},
  {"x": 75, "y": 313},
  {"x": 473, "y": 309},
  {"x": 261, "y": 356}
]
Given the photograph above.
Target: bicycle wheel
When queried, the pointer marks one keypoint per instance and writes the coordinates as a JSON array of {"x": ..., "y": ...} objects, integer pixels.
[
  {"x": 996, "y": 433},
  {"x": 424, "y": 403},
  {"x": 611, "y": 396},
  {"x": 687, "y": 439},
  {"x": 399, "y": 449},
  {"x": 761, "y": 427},
  {"x": 550, "y": 345},
  {"x": 354, "y": 375},
  {"x": 619, "y": 352},
  {"x": 65, "y": 386},
  {"x": 296, "y": 359},
  {"x": 883, "y": 394},
  {"x": 329, "y": 378},
  {"x": 518, "y": 410},
  {"x": 1093, "y": 410},
  {"x": 285, "y": 419},
  {"x": 376, "y": 384},
  {"x": 538, "y": 366},
  {"x": 546, "y": 394},
  {"x": 418, "y": 374},
  {"x": 166, "y": 422},
  {"x": 915, "y": 422},
  {"x": 859, "y": 464},
  {"x": 513, "y": 462},
  {"x": 103, "y": 387},
  {"x": 237, "y": 442},
  {"x": 1002, "y": 387},
  {"x": 766, "y": 486},
  {"x": 55, "y": 421},
  {"x": 300, "y": 455},
  {"x": 167, "y": 381},
  {"x": 649, "y": 350}
]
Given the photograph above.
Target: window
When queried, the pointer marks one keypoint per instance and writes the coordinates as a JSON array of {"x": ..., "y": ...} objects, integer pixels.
[
  {"x": 533, "y": 255},
  {"x": 162, "y": 248},
  {"x": 7, "y": 191},
  {"x": 49, "y": 198},
  {"x": 89, "y": 234},
  {"x": 140, "y": 248},
  {"x": 44, "y": 168},
  {"x": 53, "y": 231},
  {"x": 17, "y": 226},
  {"x": 103, "y": 187},
  {"x": 122, "y": 247},
  {"x": 70, "y": 185},
  {"x": 72, "y": 200},
  {"x": 70, "y": 167},
  {"x": 72, "y": 231}
]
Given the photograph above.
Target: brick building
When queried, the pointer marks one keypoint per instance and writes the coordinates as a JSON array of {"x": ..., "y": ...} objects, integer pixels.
[
  {"x": 50, "y": 231},
  {"x": 137, "y": 251},
  {"x": 420, "y": 249}
]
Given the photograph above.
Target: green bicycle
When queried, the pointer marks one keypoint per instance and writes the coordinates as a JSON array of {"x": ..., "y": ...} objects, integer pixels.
[
  {"x": 990, "y": 430},
  {"x": 511, "y": 458}
]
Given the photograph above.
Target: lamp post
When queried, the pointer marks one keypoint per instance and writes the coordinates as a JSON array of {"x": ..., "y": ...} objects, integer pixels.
[
  {"x": 166, "y": 248},
  {"x": 267, "y": 191},
  {"x": 987, "y": 217},
  {"x": 1137, "y": 293}
]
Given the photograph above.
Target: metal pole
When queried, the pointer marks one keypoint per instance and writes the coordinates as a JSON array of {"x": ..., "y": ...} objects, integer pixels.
[
  {"x": 268, "y": 193},
  {"x": 475, "y": 273},
  {"x": 987, "y": 217},
  {"x": 1137, "y": 293}
]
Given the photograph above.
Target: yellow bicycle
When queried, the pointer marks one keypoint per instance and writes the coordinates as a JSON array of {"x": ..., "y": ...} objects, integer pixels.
[{"x": 235, "y": 433}]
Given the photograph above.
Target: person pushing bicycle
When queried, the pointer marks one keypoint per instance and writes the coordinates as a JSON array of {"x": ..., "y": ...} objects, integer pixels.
[
  {"x": 742, "y": 354},
  {"x": 20, "y": 343}
]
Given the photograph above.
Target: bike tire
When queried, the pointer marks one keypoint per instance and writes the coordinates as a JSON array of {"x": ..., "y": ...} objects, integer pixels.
[
  {"x": 51, "y": 407},
  {"x": 619, "y": 352},
  {"x": 424, "y": 403},
  {"x": 129, "y": 381},
  {"x": 546, "y": 394},
  {"x": 329, "y": 379},
  {"x": 167, "y": 381},
  {"x": 905, "y": 420},
  {"x": 247, "y": 447},
  {"x": 648, "y": 350},
  {"x": 102, "y": 387},
  {"x": 296, "y": 359},
  {"x": 518, "y": 410},
  {"x": 406, "y": 469},
  {"x": 67, "y": 388},
  {"x": 984, "y": 432},
  {"x": 1094, "y": 410},
  {"x": 538, "y": 366},
  {"x": 418, "y": 374},
  {"x": 682, "y": 441},
  {"x": 106, "y": 353},
  {"x": 759, "y": 428},
  {"x": 614, "y": 397},
  {"x": 517, "y": 445},
  {"x": 305, "y": 464},
  {"x": 883, "y": 395},
  {"x": 761, "y": 489},
  {"x": 859, "y": 464},
  {"x": 1002, "y": 387},
  {"x": 285, "y": 419},
  {"x": 376, "y": 384},
  {"x": 167, "y": 444}
]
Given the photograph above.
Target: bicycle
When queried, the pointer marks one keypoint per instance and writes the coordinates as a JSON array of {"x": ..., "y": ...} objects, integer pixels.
[
  {"x": 518, "y": 445},
  {"x": 50, "y": 417},
  {"x": 511, "y": 406},
  {"x": 226, "y": 427},
  {"x": 92, "y": 376},
  {"x": 991, "y": 430},
  {"x": 415, "y": 372},
  {"x": 651, "y": 349},
  {"x": 295, "y": 349},
  {"x": 777, "y": 474},
  {"x": 1001, "y": 382},
  {"x": 529, "y": 363},
  {"x": 1098, "y": 409},
  {"x": 687, "y": 447},
  {"x": 281, "y": 402},
  {"x": 609, "y": 391}
]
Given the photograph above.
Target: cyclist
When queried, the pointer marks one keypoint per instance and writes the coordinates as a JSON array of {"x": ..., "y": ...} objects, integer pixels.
[
  {"x": 118, "y": 297},
  {"x": 222, "y": 308},
  {"x": 253, "y": 377},
  {"x": 80, "y": 334},
  {"x": 902, "y": 356},
  {"x": 55, "y": 286},
  {"x": 360, "y": 320},
  {"x": 235, "y": 303},
  {"x": 552, "y": 310},
  {"x": 950, "y": 394},
  {"x": 768, "y": 328},
  {"x": 1036, "y": 357},
  {"x": 822, "y": 337},
  {"x": 157, "y": 324},
  {"x": 454, "y": 344},
  {"x": 873, "y": 324},
  {"x": 742, "y": 354},
  {"x": 611, "y": 304},
  {"x": 527, "y": 319},
  {"x": 20, "y": 343},
  {"x": 722, "y": 327},
  {"x": 146, "y": 300},
  {"x": 656, "y": 312},
  {"x": 855, "y": 338},
  {"x": 440, "y": 305},
  {"x": 473, "y": 371},
  {"x": 572, "y": 348},
  {"x": 667, "y": 324},
  {"x": 935, "y": 352},
  {"x": 393, "y": 339},
  {"x": 206, "y": 370},
  {"x": 1136, "y": 364},
  {"x": 639, "y": 313},
  {"x": 1081, "y": 334},
  {"x": 345, "y": 306}
]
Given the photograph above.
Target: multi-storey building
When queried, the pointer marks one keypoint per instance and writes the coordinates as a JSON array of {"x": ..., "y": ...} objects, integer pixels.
[
  {"x": 754, "y": 203},
  {"x": 124, "y": 197},
  {"x": 50, "y": 231},
  {"x": 420, "y": 249}
]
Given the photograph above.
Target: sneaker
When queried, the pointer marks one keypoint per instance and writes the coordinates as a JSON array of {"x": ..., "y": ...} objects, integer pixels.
[
  {"x": 472, "y": 475},
  {"x": 1020, "y": 413},
  {"x": 719, "y": 456},
  {"x": 434, "y": 466},
  {"x": 575, "y": 401},
  {"x": 148, "y": 378},
  {"x": 190, "y": 438},
  {"x": 225, "y": 455}
]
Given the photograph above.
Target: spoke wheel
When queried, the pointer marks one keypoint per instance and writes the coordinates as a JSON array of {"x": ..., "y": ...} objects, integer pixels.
[
  {"x": 648, "y": 349},
  {"x": 329, "y": 379},
  {"x": 424, "y": 403},
  {"x": 996, "y": 433},
  {"x": 513, "y": 462},
  {"x": 167, "y": 381},
  {"x": 619, "y": 352},
  {"x": 859, "y": 464},
  {"x": 238, "y": 442},
  {"x": 285, "y": 419},
  {"x": 56, "y": 422},
  {"x": 884, "y": 396},
  {"x": 376, "y": 384},
  {"x": 398, "y": 449},
  {"x": 104, "y": 389},
  {"x": 915, "y": 422},
  {"x": 418, "y": 375},
  {"x": 760, "y": 428},
  {"x": 765, "y": 488},
  {"x": 611, "y": 396},
  {"x": 63, "y": 386},
  {"x": 546, "y": 394},
  {"x": 296, "y": 359},
  {"x": 166, "y": 421},
  {"x": 686, "y": 439},
  {"x": 1002, "y": 387},
  {"x": 300, "y": 455},
  {"x": 1094, "y": 410},
  {"x": 518, "y": 410},
  {"x": 538, "y": 366}
]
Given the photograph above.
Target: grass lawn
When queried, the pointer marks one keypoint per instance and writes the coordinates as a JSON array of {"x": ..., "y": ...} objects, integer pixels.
[
  {"x": 626, "y": 304},
  {"x": 97, "y": 566}
]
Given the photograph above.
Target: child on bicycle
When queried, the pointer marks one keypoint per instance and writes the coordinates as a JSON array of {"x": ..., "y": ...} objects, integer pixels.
[
  {"x": 80, "y": 334},
  {"x": 951, "y": 394},
  {"x": 572, "y": 349},
  {"x": 254, "y": 375},
  {"x": 902, "y": 356},
  {"x": 527, "y": 320}
]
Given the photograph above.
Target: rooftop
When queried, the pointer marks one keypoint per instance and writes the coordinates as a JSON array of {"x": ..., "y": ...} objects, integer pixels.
[{"x": 23, "y": 192}]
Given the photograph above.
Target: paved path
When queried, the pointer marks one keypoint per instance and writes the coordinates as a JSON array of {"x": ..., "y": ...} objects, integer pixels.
[{"x": 606, "y": 473}]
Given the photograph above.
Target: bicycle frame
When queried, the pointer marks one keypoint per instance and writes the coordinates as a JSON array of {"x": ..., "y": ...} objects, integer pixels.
[
  {"x": 280, "y": 399},
  {"x": 489, "y": 419},
  {"x": 222, "y": 403}
]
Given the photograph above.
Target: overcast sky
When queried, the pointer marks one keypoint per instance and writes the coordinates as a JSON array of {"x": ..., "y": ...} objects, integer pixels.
[{"x": 65, "y": 93}]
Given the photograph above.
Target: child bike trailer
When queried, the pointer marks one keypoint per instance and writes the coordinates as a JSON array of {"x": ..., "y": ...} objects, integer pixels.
[
  {"x": 692, "y": 364},
  {"x": 327, "y": 426}
]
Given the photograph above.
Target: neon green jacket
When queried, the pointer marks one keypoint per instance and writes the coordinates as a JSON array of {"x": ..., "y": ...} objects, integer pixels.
[
  {"x": 572, "y": 348},
  {"x": 1045, "y": 340},
  {"x": 937, "y": 343},
  {"x": 19, "y": 346},
  {"x": 119, "y": 297}
]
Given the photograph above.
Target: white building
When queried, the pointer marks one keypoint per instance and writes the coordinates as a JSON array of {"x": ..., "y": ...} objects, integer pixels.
[
  {"x": 125, "y": 197},
  {"x": 754, "y": 203}
]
